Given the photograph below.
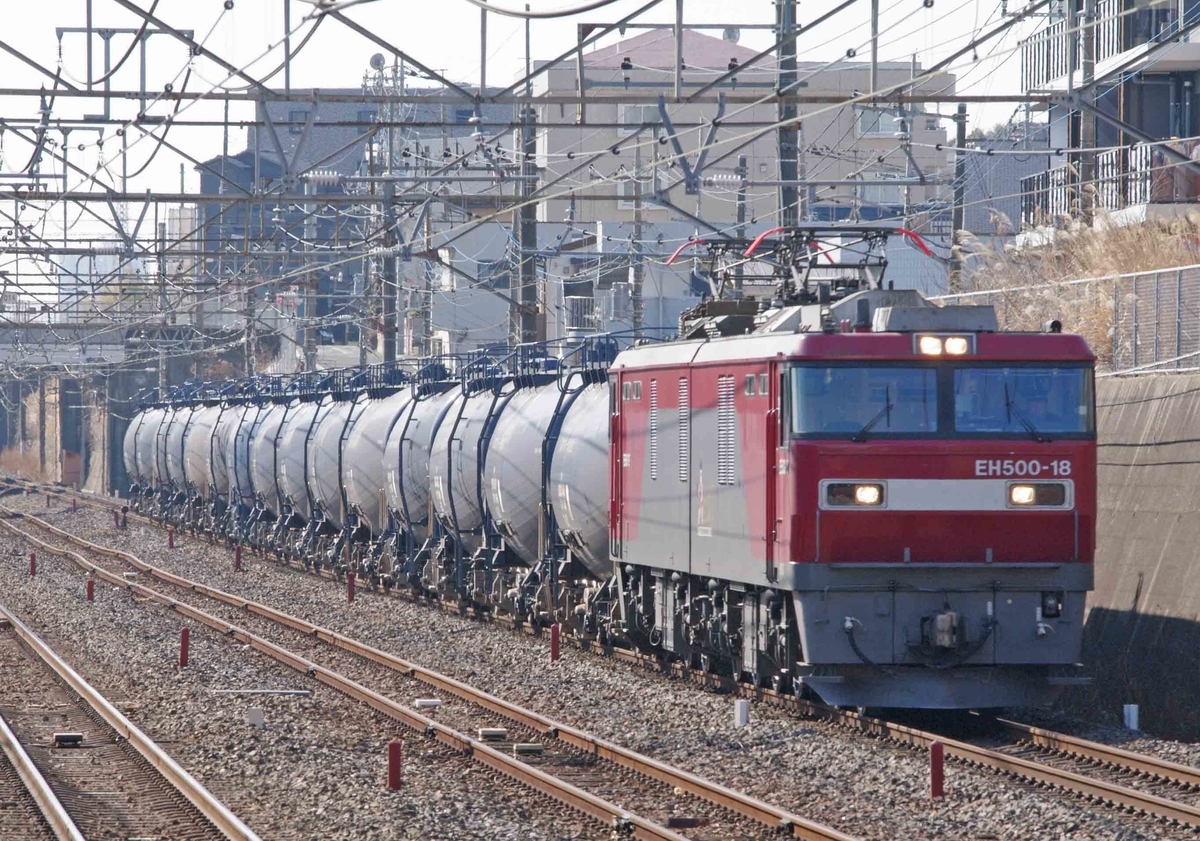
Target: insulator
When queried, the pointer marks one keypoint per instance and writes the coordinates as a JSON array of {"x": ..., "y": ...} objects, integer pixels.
[{"x": 324, "y": 178}]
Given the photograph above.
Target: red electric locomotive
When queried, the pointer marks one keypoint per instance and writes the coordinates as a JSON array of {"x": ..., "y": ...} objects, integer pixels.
[{"x": 857, "y": 491}]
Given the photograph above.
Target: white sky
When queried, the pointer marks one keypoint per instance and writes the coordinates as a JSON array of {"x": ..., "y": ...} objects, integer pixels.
[{"x": 444, "y": 34}]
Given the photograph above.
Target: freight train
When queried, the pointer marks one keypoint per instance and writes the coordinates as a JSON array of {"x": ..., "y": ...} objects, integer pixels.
[{"x": 839, "y": 489}]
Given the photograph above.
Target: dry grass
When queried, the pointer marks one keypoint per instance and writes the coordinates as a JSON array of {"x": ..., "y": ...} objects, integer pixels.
[
  {"x": 1031, "y": 286},
  {"x": 22, "y": 464}
]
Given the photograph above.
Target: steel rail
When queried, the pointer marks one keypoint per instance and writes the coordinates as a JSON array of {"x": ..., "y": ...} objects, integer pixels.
[
  {"x": 47, "y": 802},
  {"x": 1099, "y": 790},
  {"x": 742, "y": 804},
  {"x": 225, "y": 821},
  {"x": 1184, "y": 775},
  {"x": 562, "y": 791},
  {"x": 983, "y": 757}
]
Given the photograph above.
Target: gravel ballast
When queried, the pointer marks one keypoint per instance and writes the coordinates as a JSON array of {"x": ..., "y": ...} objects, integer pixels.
[
  {"x": 315, "y": 771},
  {"x": 855, "y": 783}
]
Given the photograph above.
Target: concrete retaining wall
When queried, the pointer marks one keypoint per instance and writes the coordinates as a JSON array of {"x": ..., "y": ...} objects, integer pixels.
[{"x": 1142, "y": 639}]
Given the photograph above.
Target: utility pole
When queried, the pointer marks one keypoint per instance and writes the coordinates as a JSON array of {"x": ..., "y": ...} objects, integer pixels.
[
  {"x": 636, "y": 301},
  {"x": 785, "y": 31},
  {"x": 874, "y": 45},
  {"x": 310, "y": 291},
  {"x": 162, "y": 307},
  {"x": 390, "y": 286},
  {"x": 248, "y": 337},
  {"x": 525, "y": 322},
  {"x": 1087, "y": 119},
  {"x": 740, "y": 171},
  {"x": 960, "y": 177}
]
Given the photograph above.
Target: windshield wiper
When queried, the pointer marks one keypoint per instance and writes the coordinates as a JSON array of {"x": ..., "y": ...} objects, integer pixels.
[
  {"x": 1011, "y": 409},
  {"x": 886, "y": 411}
]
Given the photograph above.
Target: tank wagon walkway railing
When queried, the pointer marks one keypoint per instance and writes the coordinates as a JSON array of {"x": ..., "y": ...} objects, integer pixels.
[{"x": 1143, "y": 322}]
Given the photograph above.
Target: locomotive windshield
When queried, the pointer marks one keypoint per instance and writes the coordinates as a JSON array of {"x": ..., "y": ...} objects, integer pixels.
[
  {"x": 1040, "y": 401},
  {"x": 876, "y": 399},
  {"x": 975, "y": 399}
]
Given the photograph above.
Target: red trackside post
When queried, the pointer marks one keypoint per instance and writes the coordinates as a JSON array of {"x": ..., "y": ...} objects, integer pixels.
[
  {"x": 171, "y": 538},
  {"x": 184, "y": 639},
  {"x": 32, "y": 564},
  {"x": 91, "y": 590},
  {"x": 47, "y": 500},
  {"x": 555, "y": 642},
  {"x": 74, "y": 505},
  {"x": 116, "y": 519},
  {"x": 237, "y": 558},
  {"x": 350, "y": 586},
  {"x": 937, "y": 771},
  {"x": 395, "y": 764}
]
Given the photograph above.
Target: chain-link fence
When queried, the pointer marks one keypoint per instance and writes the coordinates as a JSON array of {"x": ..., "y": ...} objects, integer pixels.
[{"x": 1143, "y": 322}]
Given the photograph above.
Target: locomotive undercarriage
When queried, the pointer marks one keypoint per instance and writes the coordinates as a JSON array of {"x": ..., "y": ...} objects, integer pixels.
[
  {"x": 732, "y": 629},
  {"x": 557, "y": 589}
]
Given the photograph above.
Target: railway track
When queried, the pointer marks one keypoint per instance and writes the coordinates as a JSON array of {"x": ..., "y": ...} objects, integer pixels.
[
  {"x": 1130, "y": 782},
  {"x": 29, "y": 810},
  {"x": 587, "y": 773},
  {"x": 86, "y": 769}
]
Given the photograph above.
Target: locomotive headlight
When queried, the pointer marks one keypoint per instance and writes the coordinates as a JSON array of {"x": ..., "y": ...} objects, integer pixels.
[
  {"x": 1037, "y": 494},
  {"x": 1022, "y": 494},
  {"x": 930, "y": 345},
  {"x": 866, "y": 494},
  {"x": 956, "y": 345}
]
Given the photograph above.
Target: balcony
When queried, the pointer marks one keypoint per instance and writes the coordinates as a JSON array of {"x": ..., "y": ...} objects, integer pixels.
[
  {"x": 1044, "y": 55},
  {"x": 1129, "y": 178}
]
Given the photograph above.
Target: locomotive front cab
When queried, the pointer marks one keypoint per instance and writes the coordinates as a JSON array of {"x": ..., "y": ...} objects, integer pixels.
[{"x": 943, "y": 515}]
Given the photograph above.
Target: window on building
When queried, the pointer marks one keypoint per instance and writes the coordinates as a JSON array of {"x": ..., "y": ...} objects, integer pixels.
[
  {"x": 633, "y": 117},
  {"x": 494, "y": 275},
  {"x": 367, "y": 116},
  {"x": 627, "y": 186},
  {"x": 296, "y": 120},
  {"x": 872, "y": 122},
  {"x": 876, "y": 190},
  {"x": 463, "y": 115}
]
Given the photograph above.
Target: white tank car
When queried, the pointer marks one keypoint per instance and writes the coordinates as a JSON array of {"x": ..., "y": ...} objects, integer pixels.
[
  {"x": 147, "y": 441},
  {"x": 162, "y": 478},
  {"x": 197, "y": 448},
  {"x": 407, "y": 455},
  {"x": 579, "y": 480},
  {"x": 293, "y": 455},
  {"x": 364, "y": 471},
  {"x": 236, "y": 445},
  {"x": 512, "y": 473},
  {"x": 222, "y": 459},
  {"x": 173, "y": 441},
  {"x": 129, "y": 447},
  {"x": 325, "y": 458},
  {"x": 262, "y": 453},
  {"x": 455, "y": 463}
]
